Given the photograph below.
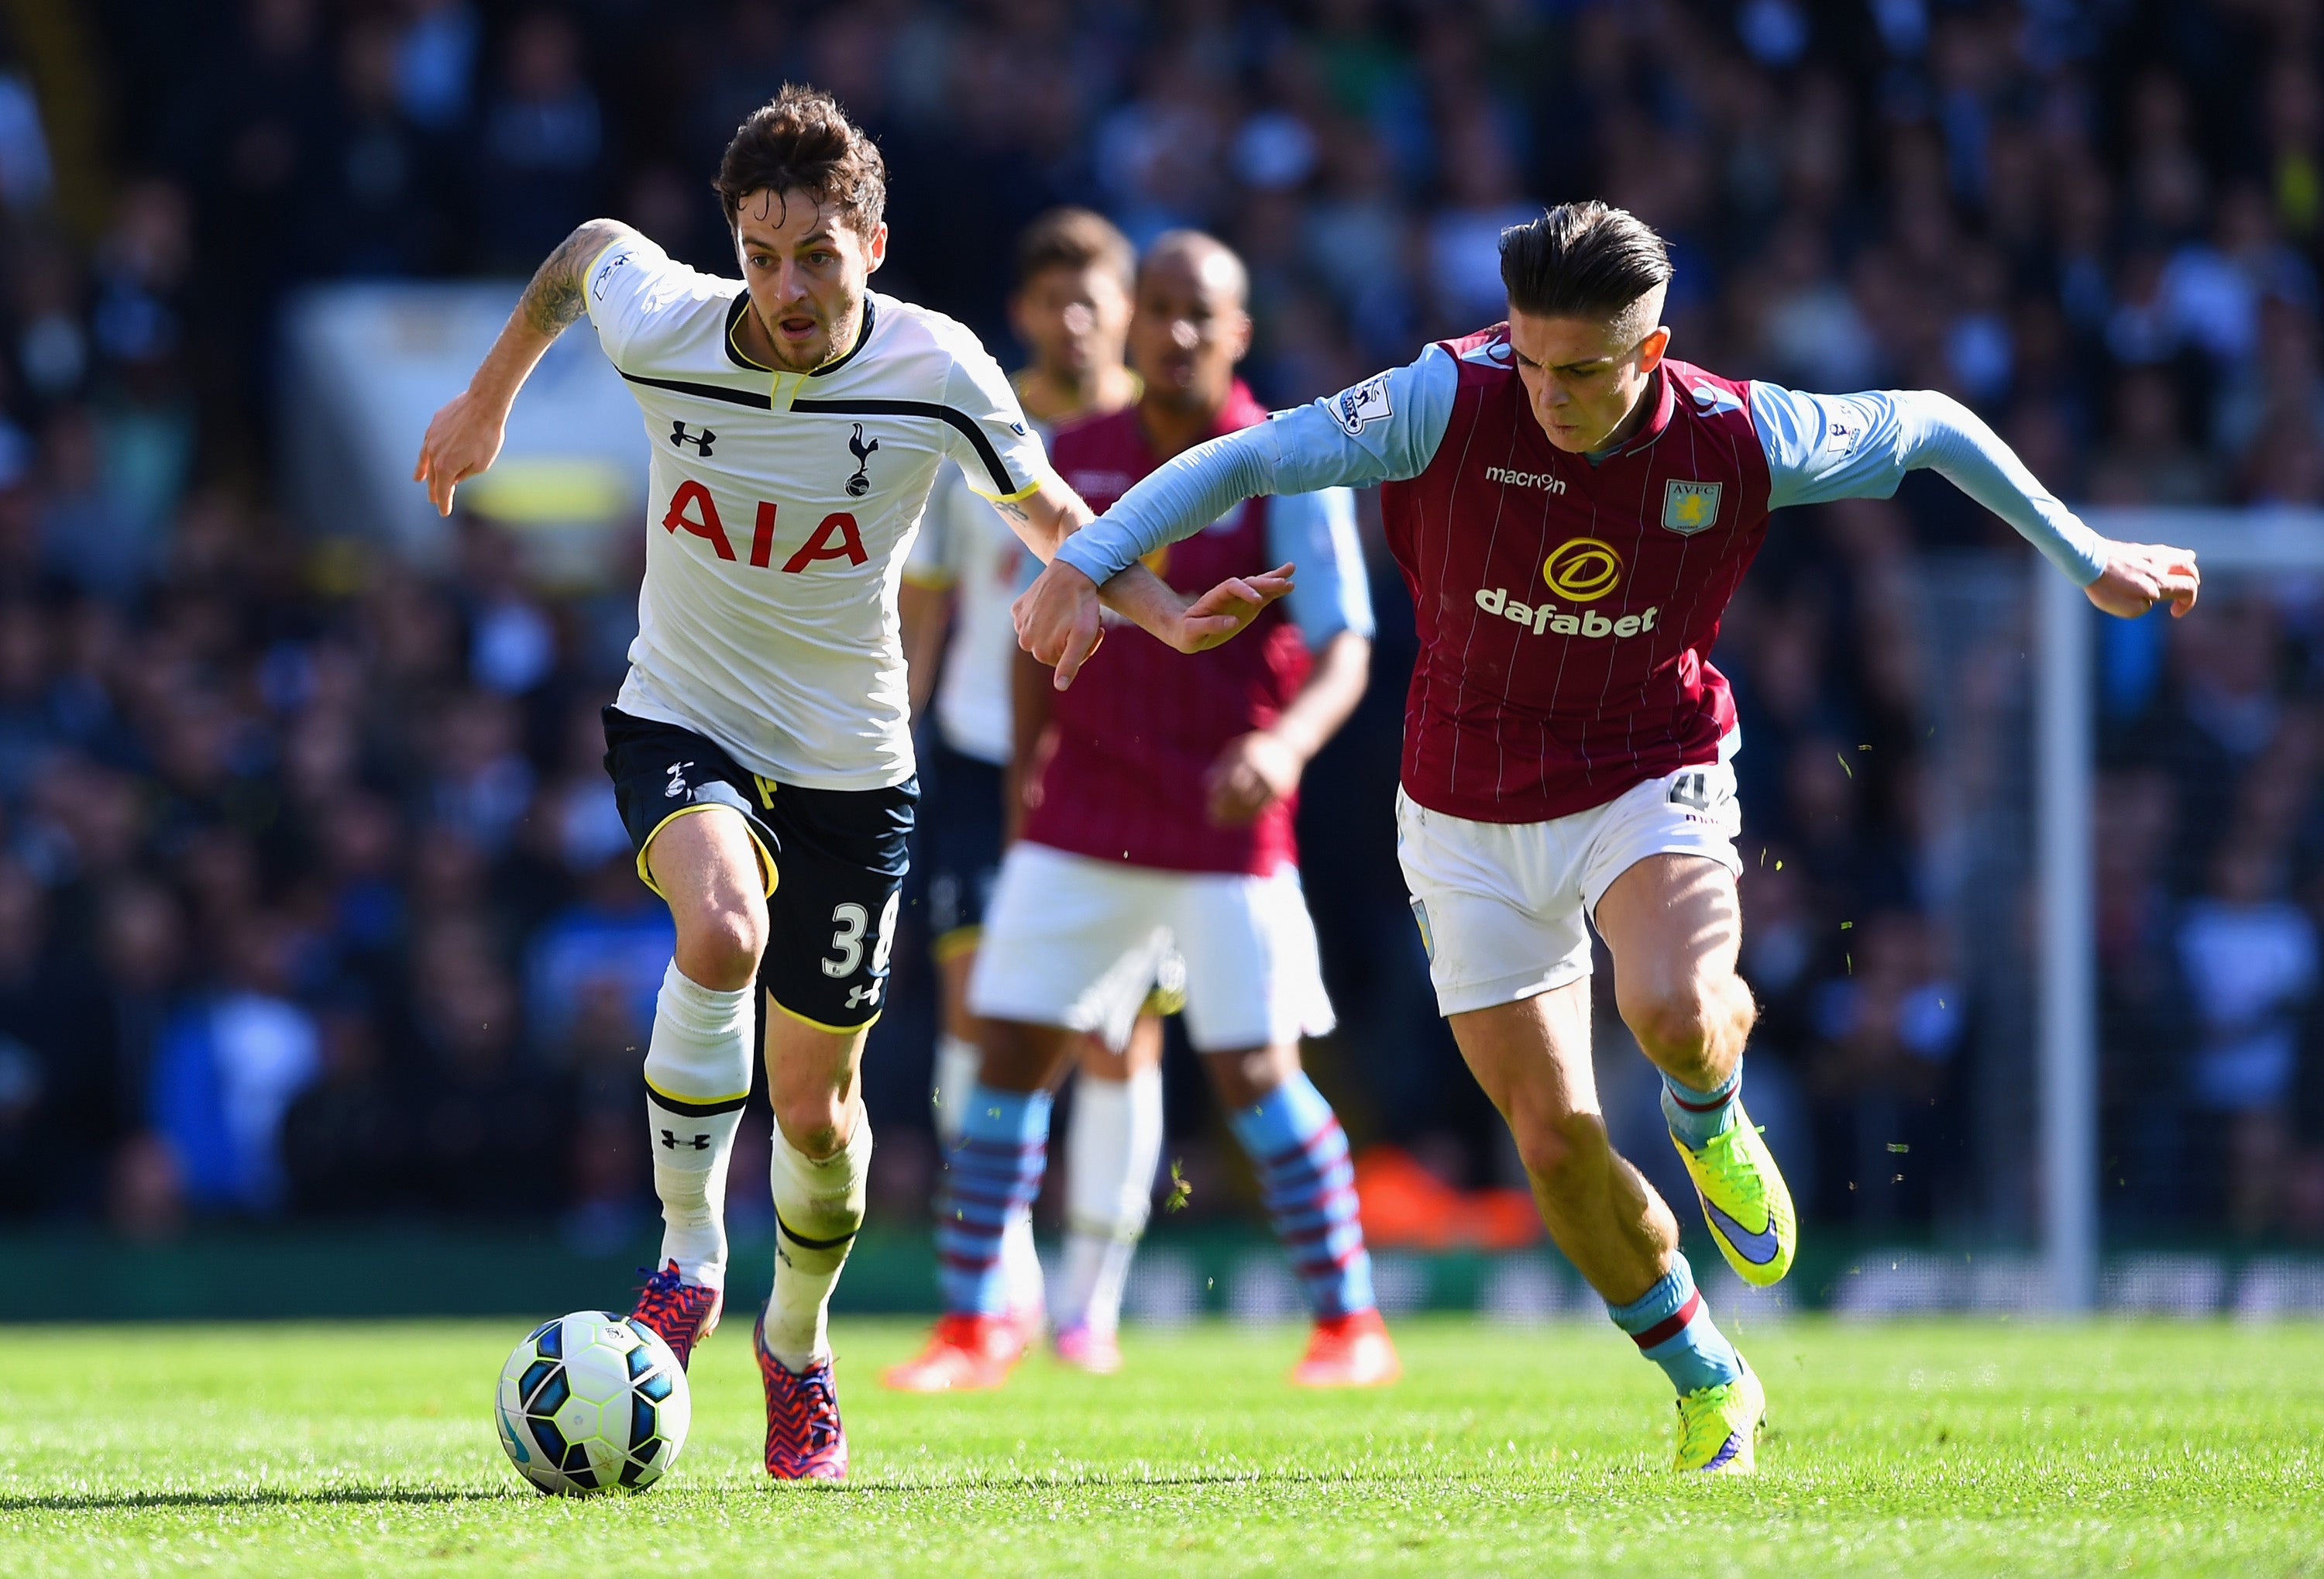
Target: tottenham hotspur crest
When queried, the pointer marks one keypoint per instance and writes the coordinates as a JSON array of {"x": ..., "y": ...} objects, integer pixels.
[{"x": 860, "y": 485}]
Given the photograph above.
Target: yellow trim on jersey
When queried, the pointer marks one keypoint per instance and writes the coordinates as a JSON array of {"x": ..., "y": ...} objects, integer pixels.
[
  {"x": 950, "y": 945},
  {"x": 766, "y": 862},
  {"x": 832, "y": 1030},
  {"x": 1027, "y": 492},
  {"x": 931, "y": 580},
  {"x": 674, "y": 1096}
]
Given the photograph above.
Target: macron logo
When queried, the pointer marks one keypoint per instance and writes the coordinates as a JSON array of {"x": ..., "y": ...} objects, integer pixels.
[{"x": 1496, "y": 474}]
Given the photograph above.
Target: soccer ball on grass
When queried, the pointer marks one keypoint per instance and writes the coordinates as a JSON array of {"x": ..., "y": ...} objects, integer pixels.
[{"x": 592, "y": 1400}]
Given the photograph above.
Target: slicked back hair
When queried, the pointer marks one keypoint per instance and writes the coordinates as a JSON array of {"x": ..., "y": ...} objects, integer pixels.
[
  {"x": 801, "y": 139},
  {"x": 1076, "y": 239},
  {"x": 1581, "y": 259}
]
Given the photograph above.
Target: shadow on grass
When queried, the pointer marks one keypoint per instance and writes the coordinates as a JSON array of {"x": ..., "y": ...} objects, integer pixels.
[
  {"x": 1103, "y": 1481},
  {"x": 258, "y": 1497},
  {"x": 414, "y": 1496}
]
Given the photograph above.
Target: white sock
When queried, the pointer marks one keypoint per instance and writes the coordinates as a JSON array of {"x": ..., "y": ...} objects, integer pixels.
[
  {"x": 1112, "y": 1148},
  {"x": 818, "y": 1207},
  {"x": 959, "y": 1062},
  {"x": 697, "y": 1078},
  {"x": 1020, "y": 1266}
]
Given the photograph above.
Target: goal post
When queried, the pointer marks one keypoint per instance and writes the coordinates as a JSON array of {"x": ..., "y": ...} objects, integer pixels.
[{"x": 2237, "y": 542}]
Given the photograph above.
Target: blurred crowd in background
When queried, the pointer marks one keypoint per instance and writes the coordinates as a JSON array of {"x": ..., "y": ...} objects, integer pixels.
[{"x": 312, "y": 898}]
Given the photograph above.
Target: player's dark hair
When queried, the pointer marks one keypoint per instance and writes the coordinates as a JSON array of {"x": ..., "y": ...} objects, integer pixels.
[
  {"x": 1581, "y": 259},
  {"x": 1078, "y": 239},
  {"x": 802, "y": 140}
]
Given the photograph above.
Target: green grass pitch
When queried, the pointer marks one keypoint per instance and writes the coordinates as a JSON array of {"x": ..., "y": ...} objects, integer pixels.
[{"x": 1930, "y": 1449}]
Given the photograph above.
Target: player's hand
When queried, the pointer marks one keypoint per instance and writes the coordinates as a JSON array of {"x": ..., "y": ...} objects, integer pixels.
[
  {"x": 463, "y": 438},
  {"x": 2138, "y": 576},
  {"x": 1252, "y": 773},
  {"x": 1226, "y": 609},
  {"x": 1059, "y": 620}
]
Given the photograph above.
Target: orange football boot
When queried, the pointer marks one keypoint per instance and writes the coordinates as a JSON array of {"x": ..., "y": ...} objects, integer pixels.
[
  {"x": 1349, "y": 1351},
  {"x": 964, "y": 1354}
]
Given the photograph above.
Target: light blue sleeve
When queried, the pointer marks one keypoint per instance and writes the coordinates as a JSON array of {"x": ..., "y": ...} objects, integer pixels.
[
  {"x": 1821, "y": 447},
  {"x": 1385, "y": 429},
  {"x": 1317, "y": 532}
]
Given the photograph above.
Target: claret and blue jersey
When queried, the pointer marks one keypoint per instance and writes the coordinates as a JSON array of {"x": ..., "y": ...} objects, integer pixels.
[{"x": 1566, "y": 604}]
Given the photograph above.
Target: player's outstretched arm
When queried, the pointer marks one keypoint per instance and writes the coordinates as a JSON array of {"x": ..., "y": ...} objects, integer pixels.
[
  {"x": 1385, "y": 428},
  {"x": 1069, "y": 627},
  {"x": 1821, "y": 447},
  {"x": 464, "y": 437}
]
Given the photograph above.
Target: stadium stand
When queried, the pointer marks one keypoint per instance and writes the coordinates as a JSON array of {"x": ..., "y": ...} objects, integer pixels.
[{"x": 306, "y": 858}]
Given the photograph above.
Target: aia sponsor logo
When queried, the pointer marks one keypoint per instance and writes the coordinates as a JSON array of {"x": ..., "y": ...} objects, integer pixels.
[{"x": 693, "y": 511}]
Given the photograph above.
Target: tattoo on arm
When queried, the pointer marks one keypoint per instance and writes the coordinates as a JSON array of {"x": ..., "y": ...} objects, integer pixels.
[{"x": 553, "y": 301}]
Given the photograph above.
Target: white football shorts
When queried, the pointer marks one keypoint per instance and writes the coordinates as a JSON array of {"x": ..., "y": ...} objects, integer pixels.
[
  {"x": 1503, "y": 907},
  {"x": 1077, "y": 942}
]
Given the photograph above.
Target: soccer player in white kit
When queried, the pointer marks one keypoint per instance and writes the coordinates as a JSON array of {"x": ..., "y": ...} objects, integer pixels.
[
  {"x": 1071, "y": 309},
  {"x": 760, "y": 748}
]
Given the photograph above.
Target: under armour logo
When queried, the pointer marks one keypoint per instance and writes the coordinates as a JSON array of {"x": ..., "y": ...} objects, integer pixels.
[
  {"x": 680, "y": 438},
  {"x": 672, "y": 1142},
  {"x": 676, "y": 780},
  {"x": 860, "y": 485},
  {"x": 863, "y": 997}
]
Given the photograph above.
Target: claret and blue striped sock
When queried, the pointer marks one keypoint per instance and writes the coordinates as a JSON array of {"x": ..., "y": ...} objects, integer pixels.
[
  {"x": 1296, "y": 1142},
  {"x": 1696, "y": 1116},
  {"x": 992, "y": 1173},
  {"x": 1673, "y": 1327}
]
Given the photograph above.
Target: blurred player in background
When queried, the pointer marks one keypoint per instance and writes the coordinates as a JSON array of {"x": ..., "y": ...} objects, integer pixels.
[
  {"x": 1573, "y": 512},
  {"x": 1158, "y": 817},
  {"x": 760, "y": 748},
  {"x": 1072, "y": 311}
]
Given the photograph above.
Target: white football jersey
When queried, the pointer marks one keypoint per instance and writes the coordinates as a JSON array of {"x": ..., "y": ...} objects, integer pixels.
[
  {"x": 966, "y": 546},
  {"x": 780, "y": 508}
]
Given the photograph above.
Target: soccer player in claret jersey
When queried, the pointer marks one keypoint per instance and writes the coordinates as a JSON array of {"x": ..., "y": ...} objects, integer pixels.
[
  {"x": 1161, "y": 817},
  {"x": 760, "y": 748},
  {"x": 1071, "y": 309},
  {"x": 1572, "y": 509}
]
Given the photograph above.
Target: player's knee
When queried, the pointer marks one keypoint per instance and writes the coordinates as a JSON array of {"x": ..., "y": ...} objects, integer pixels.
[
  {"x": 1248, "y": 1076},
  {"x": 1687, "y": 1027},
  {"x": 1561, "y": 1150},
  {"x": 815, "y": 1124},
  {"x": 719, "y": 945}
]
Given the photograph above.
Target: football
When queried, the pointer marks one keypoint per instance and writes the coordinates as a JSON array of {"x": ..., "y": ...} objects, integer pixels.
[{"x": 593, "y": 1400}]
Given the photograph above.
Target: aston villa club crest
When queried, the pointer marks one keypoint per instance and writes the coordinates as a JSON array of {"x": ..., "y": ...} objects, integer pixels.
[{"x": 1690, "y": 507}]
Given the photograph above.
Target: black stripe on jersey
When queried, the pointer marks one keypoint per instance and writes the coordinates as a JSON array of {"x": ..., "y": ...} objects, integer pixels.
[
  {"x": 708, "y": 392},
  {"x": 959, "y": 420}
]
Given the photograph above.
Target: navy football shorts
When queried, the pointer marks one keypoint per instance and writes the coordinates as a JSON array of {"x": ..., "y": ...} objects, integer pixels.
[{"x": 834, "y": 861}]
